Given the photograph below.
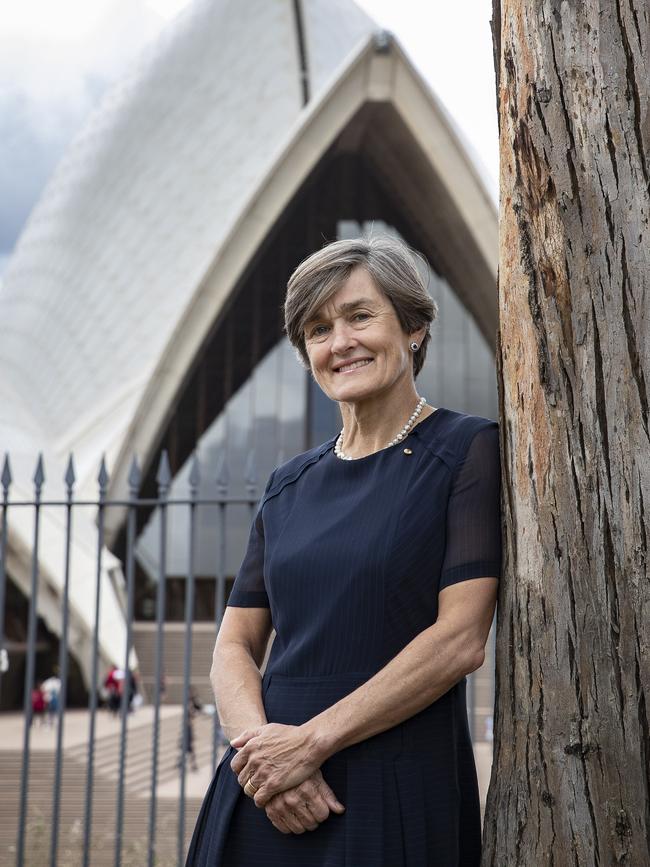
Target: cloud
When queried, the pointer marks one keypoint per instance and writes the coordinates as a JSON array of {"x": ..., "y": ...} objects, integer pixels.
[
  {"x": 48, "y": 89},
  {"x": 34, "y": 137}
]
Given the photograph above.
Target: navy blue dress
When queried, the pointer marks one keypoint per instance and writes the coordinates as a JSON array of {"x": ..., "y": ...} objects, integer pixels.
[{"x": 350, "y": 556}]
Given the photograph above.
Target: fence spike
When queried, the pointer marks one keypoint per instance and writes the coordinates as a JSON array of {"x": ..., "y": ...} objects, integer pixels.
[
  {"x": 223, "y": 478},
  {"x": 39, "y": 475},
  {"x": 70, "y": 477},
  {"x": 102, "y": 478},
  {"x": 135, "y": 477},
  {"x": 6, "y": 473},
  {"x": 164, "y": 475},
  {"x": 195, "y": 474},
  {"x": 250, "y": 473}
]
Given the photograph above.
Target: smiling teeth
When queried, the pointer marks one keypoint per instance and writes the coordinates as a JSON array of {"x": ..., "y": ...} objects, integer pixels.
[{"x": 354, "y": 365}]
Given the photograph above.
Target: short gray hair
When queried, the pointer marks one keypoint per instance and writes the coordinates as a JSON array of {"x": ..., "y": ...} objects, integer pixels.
[{"x": 390, "y": 263}]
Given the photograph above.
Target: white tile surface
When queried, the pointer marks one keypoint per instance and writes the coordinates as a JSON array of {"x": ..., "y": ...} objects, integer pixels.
[{"x": 127, "y": 226}]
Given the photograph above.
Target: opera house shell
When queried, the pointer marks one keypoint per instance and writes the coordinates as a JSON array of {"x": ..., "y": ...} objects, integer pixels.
[{"x": 147, "y": 285}]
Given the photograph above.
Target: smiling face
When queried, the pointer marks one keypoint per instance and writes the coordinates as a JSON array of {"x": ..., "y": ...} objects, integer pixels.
[{"x": 355, "y": 343}]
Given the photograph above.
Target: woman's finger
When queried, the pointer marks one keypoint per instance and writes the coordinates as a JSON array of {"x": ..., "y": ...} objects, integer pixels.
[
  {"x": 288, "y": 808},
  {"x": 330, "y": 798},
  {"x": 268, "y": 788},
  {"x": 304, "y": 807},
  {"x": 277, "y": 821},
  {"x": 291, "y": 820},
  {"x": 243, "y": 738},
  {"x": 241, "y": 757},
  {"x": 313, "y": 800},
  {"x": 299, "y": 807},
  {"x": 249, "y": 774},
  {"x": 317, "y": 808},
  {"x": 325, "y": 792}
]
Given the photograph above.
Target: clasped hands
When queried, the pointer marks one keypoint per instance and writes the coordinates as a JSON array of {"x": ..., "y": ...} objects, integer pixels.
[{"x": 283, "y": 764}]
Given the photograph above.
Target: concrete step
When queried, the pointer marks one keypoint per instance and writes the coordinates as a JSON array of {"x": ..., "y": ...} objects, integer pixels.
[
  {"x": 139, "y": 751},
  {"x": 106, "y": 757},
  {"x": 173, "y": 659},
  {"x": 38, "y": 826}
]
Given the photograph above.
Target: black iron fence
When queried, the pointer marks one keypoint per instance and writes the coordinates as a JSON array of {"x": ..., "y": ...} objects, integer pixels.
[
  {"x": 80, "y": 848},
  {"x": 63, "y": 803}
]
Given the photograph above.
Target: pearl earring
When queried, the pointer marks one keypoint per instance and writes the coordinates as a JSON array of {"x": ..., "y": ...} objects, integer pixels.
[{"x": 414, "y": 346}]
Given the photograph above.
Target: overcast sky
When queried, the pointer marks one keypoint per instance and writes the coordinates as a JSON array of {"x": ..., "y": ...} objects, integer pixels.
[{"x": 57, "y": 58}]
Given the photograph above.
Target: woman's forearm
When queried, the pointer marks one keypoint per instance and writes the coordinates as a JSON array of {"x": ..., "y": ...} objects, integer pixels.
[
  {"x": 423, "y": 671},
  {"x": 237, "y": 686},
  {"x": 282, "y": 756}
]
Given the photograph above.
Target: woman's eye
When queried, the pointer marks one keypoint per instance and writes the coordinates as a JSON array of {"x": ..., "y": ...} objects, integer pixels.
[
  {"x": 361, "y": 317},
  {"x": 318, "y": 331}
]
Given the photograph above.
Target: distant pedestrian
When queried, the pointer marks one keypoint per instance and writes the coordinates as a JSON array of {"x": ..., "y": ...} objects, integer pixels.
[
  {"x": 163, "y": 687},
  {"x": 38, "y": 704},
  {"x": 194, "y": 707},
  {"x": 135, "y": 696},
  {"x": 113, "y": 689},
  {"x": 51, "y": 692}
]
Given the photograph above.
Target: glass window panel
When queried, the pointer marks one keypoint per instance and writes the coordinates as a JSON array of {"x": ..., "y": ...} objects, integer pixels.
[{"x": 263, "y": 422}]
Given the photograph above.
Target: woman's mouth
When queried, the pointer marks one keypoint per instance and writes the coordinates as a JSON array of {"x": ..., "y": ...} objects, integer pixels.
[{"x": 354, "y": 365}]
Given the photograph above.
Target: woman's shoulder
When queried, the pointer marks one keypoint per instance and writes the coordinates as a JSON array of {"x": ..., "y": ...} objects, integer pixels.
[
  {"x": 451, "y": 434},
  {"x": 291, "y": 470},
  {"x": 462, "y": 424}
]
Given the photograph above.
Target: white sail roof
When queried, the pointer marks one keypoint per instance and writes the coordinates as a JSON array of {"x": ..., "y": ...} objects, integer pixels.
[
  {"x": 126, "y": 228},
  {"x": 149, "y": 219},
  {"x": 132, "y": 217}
]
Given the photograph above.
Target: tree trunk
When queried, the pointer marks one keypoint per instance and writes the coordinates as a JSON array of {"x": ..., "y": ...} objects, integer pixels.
[{"x": 570, "y": 781}]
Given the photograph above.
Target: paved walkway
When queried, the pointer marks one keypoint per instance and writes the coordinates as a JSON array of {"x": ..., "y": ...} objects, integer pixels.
[
  {"x": 76, "y": 733},
  {"x": 75, "y": 727}
]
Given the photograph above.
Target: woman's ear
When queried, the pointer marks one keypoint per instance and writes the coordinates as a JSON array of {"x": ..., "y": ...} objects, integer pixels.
[{"x": 418, "y": 336}]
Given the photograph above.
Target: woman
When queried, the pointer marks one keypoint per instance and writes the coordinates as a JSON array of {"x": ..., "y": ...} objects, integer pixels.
[{"x": 376, "y": 558}]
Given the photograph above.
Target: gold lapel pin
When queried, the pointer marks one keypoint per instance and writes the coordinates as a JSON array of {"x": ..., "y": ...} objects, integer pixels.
[{"x": 408, "y": 452}]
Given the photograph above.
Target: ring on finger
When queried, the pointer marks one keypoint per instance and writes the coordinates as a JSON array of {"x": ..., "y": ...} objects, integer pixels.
[{"x": 250, "y": 788}]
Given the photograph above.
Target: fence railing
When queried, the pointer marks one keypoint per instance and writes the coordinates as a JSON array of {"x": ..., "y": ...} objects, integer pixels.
[
  {"x": 68, "y": 508},
  {"x": 107, "y": 642}
]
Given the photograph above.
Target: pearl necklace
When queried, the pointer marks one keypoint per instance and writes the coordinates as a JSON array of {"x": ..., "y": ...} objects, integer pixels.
[{"x": 338, "y": 451}]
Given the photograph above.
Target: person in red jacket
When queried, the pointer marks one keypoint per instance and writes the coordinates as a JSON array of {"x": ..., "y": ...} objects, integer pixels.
[
  {"x": 112, "y": 685},
  {"x": 38, "y": 703}
]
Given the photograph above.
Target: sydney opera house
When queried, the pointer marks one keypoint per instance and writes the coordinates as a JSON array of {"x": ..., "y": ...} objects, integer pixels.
[{"x": 141, "y": 310}]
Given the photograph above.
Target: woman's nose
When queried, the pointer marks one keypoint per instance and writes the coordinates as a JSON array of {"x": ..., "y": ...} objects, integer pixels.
[{"x": 342, "y": 337}]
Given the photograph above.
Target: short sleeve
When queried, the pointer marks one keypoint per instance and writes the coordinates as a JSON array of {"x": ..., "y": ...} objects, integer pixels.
[
  {"x": 248, "y": 590},
  {"x": 473, "y": 539}
]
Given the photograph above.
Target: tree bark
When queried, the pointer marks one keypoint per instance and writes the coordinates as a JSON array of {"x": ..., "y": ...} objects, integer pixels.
[{"x": 570, "y": 779}]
